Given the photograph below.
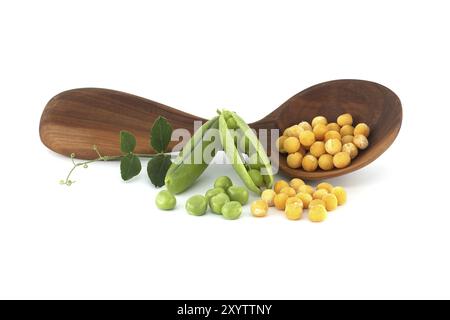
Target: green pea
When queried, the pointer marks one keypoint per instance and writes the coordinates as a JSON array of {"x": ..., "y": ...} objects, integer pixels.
[
  {"x": 244, "y": 145},
  {"x": 232, "y": 210},
  {"x": 165, "y": 200},
  {"x": 197, "y": 205},
  {"x": 223, "y": 182},
  {"x": 267, "y": 179},
  {"x": 218, "y": 201},
  {"x": 253, "y": 162},
  {"x": 213, "y": 192},
  {"x": 239, "y": 194},
  {"x": 257, "y": 178},
  {"x": 231, "y": 123},
  {"x": 227, "y": 114}
]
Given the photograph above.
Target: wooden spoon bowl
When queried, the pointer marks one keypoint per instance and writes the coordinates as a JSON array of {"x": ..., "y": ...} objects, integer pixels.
[
  {"x": 366, "y": 101},
  {"x": 75, "y": 120}
]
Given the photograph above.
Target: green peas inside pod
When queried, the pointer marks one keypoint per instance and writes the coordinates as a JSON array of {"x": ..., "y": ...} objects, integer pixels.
[
  {"x": 244, "y": 145},
  {"x": 267, "y": 180},
  {"x": 253, "y": 162},
  {"x": 165, "y": 200},
  {"x": 256, "y": 176},
  {"x": 213, "y": 192},
  {"x": 231, "y": 123},
  {"x": 232, "y": 210},
  {"x": 197, "y": 205},
  {"x": 217, "y": 202},
  {"x": 239, "y": 194},
  {"x": 248, "y": 142},
  {"x": 227, "y": 114},
  {"x": 223, "y": 182}
]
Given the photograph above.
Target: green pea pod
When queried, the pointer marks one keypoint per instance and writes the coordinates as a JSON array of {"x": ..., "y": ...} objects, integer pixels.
[
  {"x": 256, "y": 145},
  {"x": 233, "y": 155},
  {"x": 196, "y": 138},
  {"x": 184, "y": 172}
]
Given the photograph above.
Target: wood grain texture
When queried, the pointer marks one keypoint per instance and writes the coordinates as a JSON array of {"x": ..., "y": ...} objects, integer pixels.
[{"x": 75, "y": 120}]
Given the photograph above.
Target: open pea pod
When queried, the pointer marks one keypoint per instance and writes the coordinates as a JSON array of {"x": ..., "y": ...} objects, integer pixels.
[
  {"x": 232, "y": 153},
  {"x": 185, "y": 169},
  {"x": 257, "y": 146}
]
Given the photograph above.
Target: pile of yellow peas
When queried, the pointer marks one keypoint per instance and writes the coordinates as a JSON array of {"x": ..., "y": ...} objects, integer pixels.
[
  {"x": 323, "y": 145},
  {"x": 295, "y": 196}
]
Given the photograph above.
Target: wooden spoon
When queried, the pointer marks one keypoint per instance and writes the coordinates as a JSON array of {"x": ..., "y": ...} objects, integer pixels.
[{"x": 75, "y": 120}]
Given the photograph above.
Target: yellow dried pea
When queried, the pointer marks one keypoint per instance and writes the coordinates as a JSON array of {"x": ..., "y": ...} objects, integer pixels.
[
  {"x": 306, "y": 188},
  {"x": 267, "y": 196},
  {"x": 323, "y": 153},
  {"x": 326, "y": 162},
  {"x": 347, "y": 139},
  {"x": 280, "y": 201},
  {"x": 306, "y": 198},
  {"x": 292, "y": 131},
  {"x": 294, "y": 210},
  {"x": 309, "y": 163},
  {"x": 341, "y": 159},
  {"x": 259, "y": 208},
  {"x": 318, "y": 194},
  {"x": 286, "y": 132},
  {"x": 316, "y": 202},
  {"x": 346, "y": 130},
  {"x": 280, "y": 144},
  {"x": 325, "y": 185},
  {"x": 291, "y": 144},
  {"x": 351, "y": 149},
  {"x": 296, "y": 183},
  {"x": 317, "y": 148},
  {"x": 319, "y": 131},
  {"x": 345, "y": 119},
  {"x": 280, "y": 184},
  {"x": 307, "y": 138},
  {"x": 333, "y": 126},
  {"x": 331, "y": 201},
  {"x": 360, "y": 141},
  {"x": 317, "y": 214},
  {"x": 333, "y": 146},
  {"x": 319, "y": 119},
  {"x": 294, "y": 160},
  {"x": 289, "y": 191},
  {"x": 305, "y": 126},
  {"x": 340, "y": 194},
  {"x": 332, "y": 135},
  {"x": 362, "y": 128},
  {"x": 293, "y": 200}
]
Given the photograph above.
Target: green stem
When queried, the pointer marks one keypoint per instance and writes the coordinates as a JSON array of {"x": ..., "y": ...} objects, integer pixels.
[
  {"x": 69, "y": 182},
  {"x": 145, "y": 155}
]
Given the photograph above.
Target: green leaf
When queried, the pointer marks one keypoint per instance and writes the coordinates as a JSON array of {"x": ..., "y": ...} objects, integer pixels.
[
  {"x": 127, "y": 142},
  {"x": 130, "y": 166},
  {"x": 157, "y": 169},
  {"x": 160, "y": 135}
]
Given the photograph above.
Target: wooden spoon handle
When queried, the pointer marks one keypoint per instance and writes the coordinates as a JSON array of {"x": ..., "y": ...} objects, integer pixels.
[{"x": 75, "y": 120}]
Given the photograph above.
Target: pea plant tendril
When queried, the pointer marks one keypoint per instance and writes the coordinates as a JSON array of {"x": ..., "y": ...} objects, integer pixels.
[{"x": 130, "y": 164}]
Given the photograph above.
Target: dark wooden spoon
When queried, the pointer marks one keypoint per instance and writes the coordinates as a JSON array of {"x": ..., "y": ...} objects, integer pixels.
[{"x": 73, "y": 121}]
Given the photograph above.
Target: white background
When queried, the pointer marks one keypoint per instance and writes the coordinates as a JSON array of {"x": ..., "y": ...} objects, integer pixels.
[{"x": 103, "y": 238}]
